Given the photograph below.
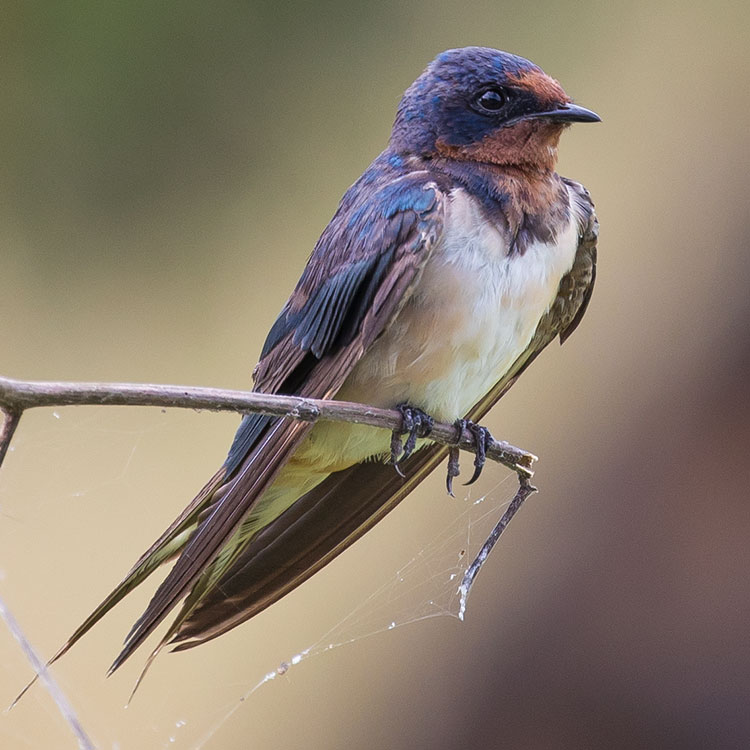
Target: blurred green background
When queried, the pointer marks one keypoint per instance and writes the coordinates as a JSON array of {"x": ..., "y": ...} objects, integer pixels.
[{"x": 166, "y": 169}]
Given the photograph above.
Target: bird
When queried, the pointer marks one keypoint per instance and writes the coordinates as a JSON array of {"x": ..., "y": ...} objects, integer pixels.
[{"x": 448, "y": 266}]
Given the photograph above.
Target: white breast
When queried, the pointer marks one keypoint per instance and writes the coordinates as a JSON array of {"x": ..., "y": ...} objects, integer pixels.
[{"x": 472, "y": 314}]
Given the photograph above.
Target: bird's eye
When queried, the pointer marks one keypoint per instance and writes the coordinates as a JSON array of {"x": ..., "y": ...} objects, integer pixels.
[{"x": 491, "y": 101}]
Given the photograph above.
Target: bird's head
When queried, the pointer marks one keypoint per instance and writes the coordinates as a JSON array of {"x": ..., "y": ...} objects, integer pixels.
[{"x": 480, "y": 104}]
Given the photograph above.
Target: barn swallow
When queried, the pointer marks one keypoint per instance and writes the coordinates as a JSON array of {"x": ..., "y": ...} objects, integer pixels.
[{"x": 448, "y": 266}]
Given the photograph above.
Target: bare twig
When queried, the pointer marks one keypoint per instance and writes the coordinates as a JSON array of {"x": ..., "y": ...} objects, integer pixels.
[
  {"x": 18, "y": 395},
  {"x": 53, "y": 688},
  {"x": 524, "y": 490},
  {"x": 11, "y": 418}
]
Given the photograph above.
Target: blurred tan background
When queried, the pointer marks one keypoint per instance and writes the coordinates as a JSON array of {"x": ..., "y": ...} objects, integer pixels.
[{"x": 166, "y": 169}]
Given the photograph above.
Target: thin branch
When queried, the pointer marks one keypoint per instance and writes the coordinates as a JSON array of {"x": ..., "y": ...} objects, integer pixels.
[
  {"x": 18, "y": 395},
  {"x": 524, "y": 490},
  {"x": 11, "y": 418},
  {"x": 53, "y": 688}
]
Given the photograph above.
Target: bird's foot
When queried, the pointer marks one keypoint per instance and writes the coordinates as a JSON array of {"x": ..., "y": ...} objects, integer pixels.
[
  {"x": 482, "y": 438},
  {"x": 416, "y": 424}
]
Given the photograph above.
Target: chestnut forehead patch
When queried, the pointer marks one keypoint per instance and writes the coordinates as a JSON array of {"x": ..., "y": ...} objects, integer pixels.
[{"x": 546, "y": 89}]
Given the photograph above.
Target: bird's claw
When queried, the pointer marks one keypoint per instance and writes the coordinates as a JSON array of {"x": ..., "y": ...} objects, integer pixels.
[
  {"x": 453, "y": 453},
  {"x": 414, "y": 423},
  {"x": 482, "y": 439}
]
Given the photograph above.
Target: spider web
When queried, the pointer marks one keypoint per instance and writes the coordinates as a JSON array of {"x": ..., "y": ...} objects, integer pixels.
[
  {"x": 428, "y": 585},
  {"x": 122, "y": 445}
]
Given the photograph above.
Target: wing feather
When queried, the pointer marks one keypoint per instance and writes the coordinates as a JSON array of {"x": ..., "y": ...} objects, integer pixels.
[{"x": 322, "y": 332}]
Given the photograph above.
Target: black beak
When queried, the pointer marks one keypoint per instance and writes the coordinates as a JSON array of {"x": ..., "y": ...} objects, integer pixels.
[{"x": 568, "y": 113}]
